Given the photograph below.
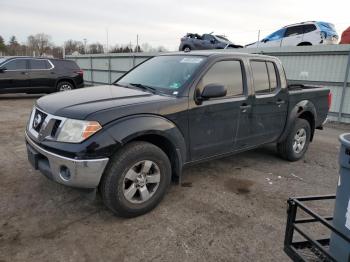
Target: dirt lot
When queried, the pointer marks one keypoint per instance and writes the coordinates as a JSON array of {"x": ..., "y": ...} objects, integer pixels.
[{"x": 225, "y": 210}]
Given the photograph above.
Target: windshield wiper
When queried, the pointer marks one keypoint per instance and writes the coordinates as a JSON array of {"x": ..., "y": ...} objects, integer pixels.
[{"x": 144, "y": 87}]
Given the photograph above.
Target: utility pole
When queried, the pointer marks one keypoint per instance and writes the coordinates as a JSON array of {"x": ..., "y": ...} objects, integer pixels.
[
  {"x": 137, "y": 43},
  {"x": 107, "y": 40},
  {"x": 85, "y": 41}
]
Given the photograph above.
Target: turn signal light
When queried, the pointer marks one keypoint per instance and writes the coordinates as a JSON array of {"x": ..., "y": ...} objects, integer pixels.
[{"x": 91, "y": 129}]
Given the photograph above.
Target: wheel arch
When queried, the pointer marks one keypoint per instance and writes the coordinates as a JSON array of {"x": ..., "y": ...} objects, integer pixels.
[
  {"x": 305, "y": 43},
  {"x": 156, "y": 130},
  {"x": 305, "y": 110}
]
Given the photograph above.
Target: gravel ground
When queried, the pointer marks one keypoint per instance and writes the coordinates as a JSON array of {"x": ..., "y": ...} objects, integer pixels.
[{"x": 232, "y": 209}]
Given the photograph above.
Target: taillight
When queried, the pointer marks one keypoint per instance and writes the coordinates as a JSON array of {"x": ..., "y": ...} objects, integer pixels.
[
  {"x": 79, "y": 72},
  {"x": 329, "y": 100}
]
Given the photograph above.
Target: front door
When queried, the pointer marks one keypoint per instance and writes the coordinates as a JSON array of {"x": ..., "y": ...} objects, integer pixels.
[
  {"x": 273, "y": 40},
  {"x": 268, "y": 114},
  {"x": 213, "y": 123},
  {"x": 14, "y": 77}
]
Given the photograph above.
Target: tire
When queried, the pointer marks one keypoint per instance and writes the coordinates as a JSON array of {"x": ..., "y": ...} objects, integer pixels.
[
  {"x": 297, "y": 142},
  {"x": 124, "y": 174},
  {"x": 64, "y": 86},
  {"x": 186, "y": 48}
]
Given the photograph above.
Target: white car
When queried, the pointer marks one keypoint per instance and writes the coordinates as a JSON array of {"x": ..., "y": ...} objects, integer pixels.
[{"x": 302, "y": 34}]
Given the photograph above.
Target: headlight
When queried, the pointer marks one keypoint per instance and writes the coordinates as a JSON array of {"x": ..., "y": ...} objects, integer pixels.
[{"x": 76, "y": 131}]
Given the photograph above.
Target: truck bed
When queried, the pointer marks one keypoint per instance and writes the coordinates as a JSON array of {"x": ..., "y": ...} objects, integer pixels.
[{"x": 317, "y": 95}]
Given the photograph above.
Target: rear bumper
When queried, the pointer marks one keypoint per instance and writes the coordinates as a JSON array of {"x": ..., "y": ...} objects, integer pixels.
[
  {"x": 71, "y": 172},
  {"x": 81, "y": 85}
]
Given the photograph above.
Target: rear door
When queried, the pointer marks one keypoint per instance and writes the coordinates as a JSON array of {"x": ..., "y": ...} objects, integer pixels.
[
  {"x": 213, "y": 123},
  {"x": 293, "y": 36},
  {"x": 41, "y": 75},
  {"x": 311, "y": 34},
  {"x": 15, "y": 76},
  {"x": 267, "y": 118}
]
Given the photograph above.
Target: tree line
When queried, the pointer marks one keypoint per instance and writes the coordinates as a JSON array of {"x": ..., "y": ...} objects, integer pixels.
[{"x": 41, "y": 45}]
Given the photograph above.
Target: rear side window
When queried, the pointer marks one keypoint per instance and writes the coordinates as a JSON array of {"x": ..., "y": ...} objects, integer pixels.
[
  {"x": 226, "y": 73},
  {"x": 264, "y": 76},
  {"x": 309, "y": 28},
  {"x": 66, "y": 64},
  {"x": 272, "y": 76},
  {"x": 17, "y": 64},
  {"x": 294, "y": 30},
  {"x": 36, "y": 64}
]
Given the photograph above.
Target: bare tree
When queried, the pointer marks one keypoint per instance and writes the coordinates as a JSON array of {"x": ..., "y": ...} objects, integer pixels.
[
  {"x": 96, "y": 48},
  {"x": 146, "y": 47},
  {"x": 39, "y": 43},
  {"x": 13, "y": 46},
  {"x": 72, "y": 46}
]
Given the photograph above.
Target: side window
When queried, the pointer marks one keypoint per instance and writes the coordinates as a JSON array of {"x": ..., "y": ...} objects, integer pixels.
[
  {"x": 260, "y": 77},
  {"x": 36, "y": 64},
  {"x": 264, "y": 76},
  {"x": 294, "y": 30},
  {"x": 227, "y": 73},
  {"x": 276, "y": 35},
  {"x": 272, "y": 76},
  {"x": 309, "y": 28},
  {"x": 208, "y": 37},
  {"x": 17, "y": 64}
]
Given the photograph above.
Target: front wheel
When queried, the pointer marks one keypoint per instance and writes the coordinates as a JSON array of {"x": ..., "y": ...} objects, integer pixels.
[
  {"x": 297, "y": 142},
  {"x": 136, "y": 180}
]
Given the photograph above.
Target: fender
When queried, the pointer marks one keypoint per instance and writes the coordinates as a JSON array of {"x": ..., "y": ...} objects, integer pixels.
[
  {"x": 130, "y": 128},
  {"x": 300, "y": 108}
]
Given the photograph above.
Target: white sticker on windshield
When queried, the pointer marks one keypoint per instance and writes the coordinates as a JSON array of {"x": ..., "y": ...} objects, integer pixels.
[{"x": 191, "y": 60}]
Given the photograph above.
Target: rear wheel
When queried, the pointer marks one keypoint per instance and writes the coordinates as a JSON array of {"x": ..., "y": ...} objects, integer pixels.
[
  {"x": 136, "y": 179},
  {"x": 297, "y": 142},
  {"x": 64, "y": 86}
]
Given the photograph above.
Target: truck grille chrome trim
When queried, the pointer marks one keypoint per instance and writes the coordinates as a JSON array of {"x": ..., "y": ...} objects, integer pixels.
[{"x": 43, "y": 125}]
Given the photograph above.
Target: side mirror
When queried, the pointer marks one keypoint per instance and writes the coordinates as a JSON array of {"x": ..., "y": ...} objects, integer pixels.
[
  {"x": 213, "y": 91},
  {"x": 265, "y": 40},
  {"x": 212, "y": 41},
  {"x": 2, "y": 69}
]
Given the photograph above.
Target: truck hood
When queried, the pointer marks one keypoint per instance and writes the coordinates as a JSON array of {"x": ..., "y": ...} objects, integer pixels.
[{"x": 80, "y": 103}]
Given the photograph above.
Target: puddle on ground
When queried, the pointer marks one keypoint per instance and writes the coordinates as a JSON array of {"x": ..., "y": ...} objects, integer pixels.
[
  {"x": 186, "y": 184},
  {"x": 239, "y": 186}
]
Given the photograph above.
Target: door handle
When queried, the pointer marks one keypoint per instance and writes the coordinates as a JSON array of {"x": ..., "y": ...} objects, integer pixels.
[
  {"x": 244, "y": 107},
  {"x": 24, "y": 73},
  {"x": 280, "y": 102}
]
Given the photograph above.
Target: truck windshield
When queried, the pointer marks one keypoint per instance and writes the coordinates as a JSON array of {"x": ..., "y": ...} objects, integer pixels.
[
  {"x": 2, "y": 60},
  {"x": 166, "y": 74}
]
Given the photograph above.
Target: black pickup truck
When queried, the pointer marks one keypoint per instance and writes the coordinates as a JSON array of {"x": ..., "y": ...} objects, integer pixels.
[{"x": 130, "y": 139}]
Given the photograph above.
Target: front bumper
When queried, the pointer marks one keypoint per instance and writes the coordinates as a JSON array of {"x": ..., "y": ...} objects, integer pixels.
[{"x": 68, "y": 171}]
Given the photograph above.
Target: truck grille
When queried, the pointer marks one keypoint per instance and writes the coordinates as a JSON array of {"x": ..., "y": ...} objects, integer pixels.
[
  {"x": 38, "y": 120},
  {"x": 43, "y": 125}
]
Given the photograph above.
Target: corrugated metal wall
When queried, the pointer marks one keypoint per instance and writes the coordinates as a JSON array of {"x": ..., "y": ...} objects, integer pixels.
[{"x": 314, "y": 65}]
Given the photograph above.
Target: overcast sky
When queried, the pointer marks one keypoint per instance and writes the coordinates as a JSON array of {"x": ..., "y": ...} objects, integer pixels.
[{"x": 161, "y": 22}]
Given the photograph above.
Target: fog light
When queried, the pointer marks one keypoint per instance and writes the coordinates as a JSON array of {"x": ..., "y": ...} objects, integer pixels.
[{"x": 65, "y": 173}]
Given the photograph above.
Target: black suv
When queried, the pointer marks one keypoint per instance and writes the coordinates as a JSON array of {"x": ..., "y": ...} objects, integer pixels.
[{"x": 38, "y": 75}]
